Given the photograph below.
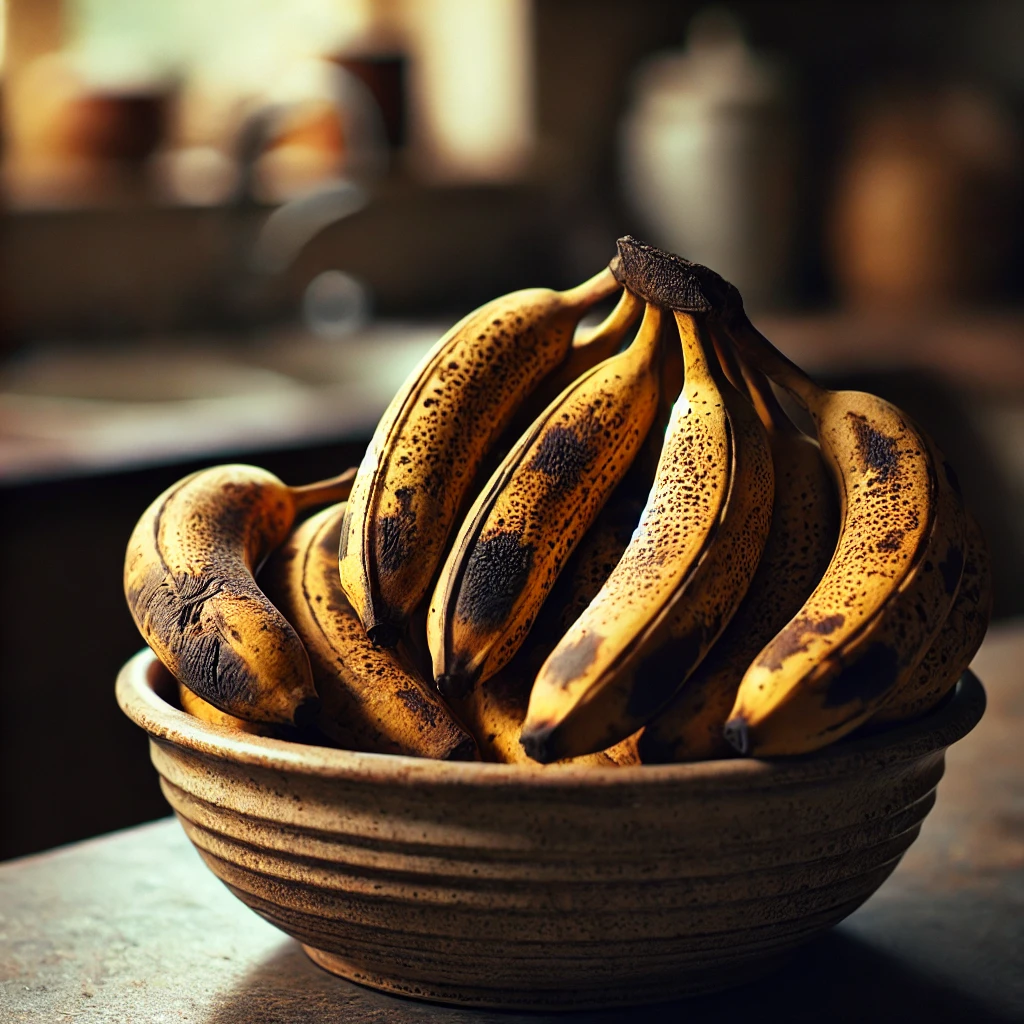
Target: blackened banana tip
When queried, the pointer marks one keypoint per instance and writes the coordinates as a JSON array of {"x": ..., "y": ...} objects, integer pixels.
[
  {"x": 306, "y": 713},
  {"x": 384, "y": 634},
  {"x": 466, "y": 750},
  {"x": 737, "y": 734},
  {"x": 538, "y": 746},
  {"x": 453, "y": 686}
]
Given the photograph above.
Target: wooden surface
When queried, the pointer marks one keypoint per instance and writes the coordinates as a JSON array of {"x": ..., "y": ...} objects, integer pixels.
[{"x": 133, "y": 928}]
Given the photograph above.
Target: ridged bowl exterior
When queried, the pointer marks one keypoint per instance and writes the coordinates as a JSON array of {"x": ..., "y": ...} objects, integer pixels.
[{"x": 504, "y": 886}]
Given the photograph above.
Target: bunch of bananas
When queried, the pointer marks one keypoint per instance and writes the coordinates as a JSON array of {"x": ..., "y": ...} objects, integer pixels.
[{"x": 560, "y": 549}]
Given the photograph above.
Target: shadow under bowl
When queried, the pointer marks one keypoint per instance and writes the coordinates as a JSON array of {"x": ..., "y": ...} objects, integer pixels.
[{"x": 505, "y": 886}]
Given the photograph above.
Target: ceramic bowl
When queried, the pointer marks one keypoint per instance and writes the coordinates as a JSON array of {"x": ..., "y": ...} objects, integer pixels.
[{"x": 506, "y": 886}]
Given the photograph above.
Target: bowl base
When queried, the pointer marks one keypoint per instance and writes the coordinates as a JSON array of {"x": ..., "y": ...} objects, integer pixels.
[{"x": 681, "y": 984}]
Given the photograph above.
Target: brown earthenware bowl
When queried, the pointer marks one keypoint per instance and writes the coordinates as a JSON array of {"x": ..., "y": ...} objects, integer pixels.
[{"x": 507, "y": 886}]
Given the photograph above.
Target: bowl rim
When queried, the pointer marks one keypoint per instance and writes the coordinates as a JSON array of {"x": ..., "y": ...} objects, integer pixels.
[{"x": 143, "y": 676}]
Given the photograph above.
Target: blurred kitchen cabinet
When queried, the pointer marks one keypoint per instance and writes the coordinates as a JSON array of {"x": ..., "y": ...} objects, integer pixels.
[{"x": 65, "y": 633}]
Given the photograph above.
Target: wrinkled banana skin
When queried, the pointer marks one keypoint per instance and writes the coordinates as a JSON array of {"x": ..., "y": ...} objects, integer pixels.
[{"x": 188, "y": 581}]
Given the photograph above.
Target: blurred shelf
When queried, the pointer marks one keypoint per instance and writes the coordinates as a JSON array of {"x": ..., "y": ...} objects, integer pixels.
[
  {"x": 982, "y": 351},
  {"x": 72, "y": 411},
  {"x": 144, "y": 268},
  {"x": 76, "y": 409}
]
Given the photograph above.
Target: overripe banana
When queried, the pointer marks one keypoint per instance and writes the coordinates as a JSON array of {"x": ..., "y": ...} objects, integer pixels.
[
  {"x": 884, "y": 595},
  {"x": 678, "y": 582},
  {"x": 372, "y": 699},
  {"x": 495, "y": 709},
  {"x": 199, "y": 708},
  {"x": 590, "y": 346},
  {"x": 897, "y": 563},
  {"x": 422, "y": 459},
  {"x": 188, "y": 579},
  {"x": 800, "y": 543},
  {"x": 535, "y": 508},
  {"x": 494, "y": 712},
  {"x": 955, "y": 646}
]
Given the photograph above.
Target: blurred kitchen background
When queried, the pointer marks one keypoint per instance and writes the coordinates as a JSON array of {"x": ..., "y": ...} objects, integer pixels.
[{"x": 228, "y": 230}]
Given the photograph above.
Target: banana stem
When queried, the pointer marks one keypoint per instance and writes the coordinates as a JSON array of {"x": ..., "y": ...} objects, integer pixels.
[
  {"x": 598, "y": 287},
  {"x": 772, "y": 415},
  {"x": 688, "y": 288},
  {"x": 612, "y": 329},
  {"x": 753, "y": 384},
  {"x": 762, "y": 354},
  {"x": 323, "y": 492},
  {"x": 729, "y": 361},
  {"x": 697, "y": 361},
  {"x": 648, "y": 338}
]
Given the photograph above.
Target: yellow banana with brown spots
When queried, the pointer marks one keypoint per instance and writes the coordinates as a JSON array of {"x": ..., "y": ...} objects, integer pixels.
[
  {"x": 801, "y": 540},
  {"x": 429, "y": 444},
  {"x": 678, "y": 582},
  {"x": 898, "y": 561},
  {"x": 955, "y": 646},
  {"x": 886, "y": 592},
  {"x": 199, "y": 708},
  {"x": 494, "y": 712},
  {"x": 188, "y": 580},
  {"x": 372, "y": 698},
  {"x": 590, "y": 346},
  {"x": 495, "y": 709},
  {"x": 535, "y": 508}
]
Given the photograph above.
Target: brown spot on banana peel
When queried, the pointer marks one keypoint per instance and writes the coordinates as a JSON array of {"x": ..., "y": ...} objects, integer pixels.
[
  {"x": 212, "y": 626},
  {"x": 563, "y": 455},
  {"x": 495, "y": 574},
  {"x": 794, "y": 638},
  {"x": 437, "y": 431},
  {"x": 414, "y": 700},
  {"x": 892, "y": 541},
  {"x": 572, "y": 661},
  {"x": 168, "y": 610},
  {"x": 395, "y": 535},
  {"x": 877, "y": 451},
  {"x": 373, "y": 699}
]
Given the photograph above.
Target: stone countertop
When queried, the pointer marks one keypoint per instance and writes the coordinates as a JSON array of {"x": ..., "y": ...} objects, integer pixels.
[{"x": 132, "y": 928}]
